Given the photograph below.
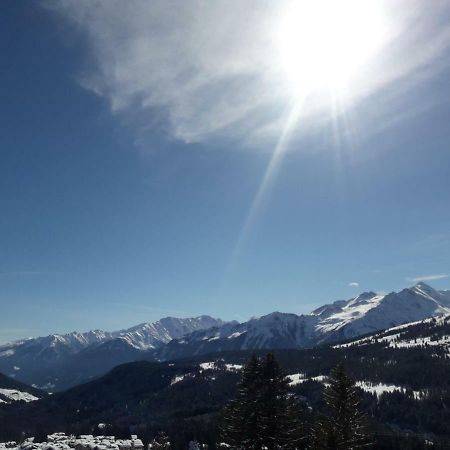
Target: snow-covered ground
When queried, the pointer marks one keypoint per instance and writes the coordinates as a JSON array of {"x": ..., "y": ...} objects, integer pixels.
[
  {"x": 298, "y": 378},
  {"x": 213, "y": 365},
  {"x": 208, "y": 365},
  {"x": 367, "y": 386},
  {"x": 60, "y": 441},
  {"x": 381, "y": 388},
  {"x": 12, "y": 395},
  {"x": 233, "y": 367},
  {"x": 177, "y": 379},
  {"x": 427, "y": 333}
]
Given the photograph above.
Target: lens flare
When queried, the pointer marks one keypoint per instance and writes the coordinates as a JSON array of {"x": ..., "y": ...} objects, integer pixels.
[{"x": 324, "y": 43}]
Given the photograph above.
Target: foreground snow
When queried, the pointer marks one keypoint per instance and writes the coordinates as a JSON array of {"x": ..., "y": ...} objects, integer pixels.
[{"x": 60, "y": 441}]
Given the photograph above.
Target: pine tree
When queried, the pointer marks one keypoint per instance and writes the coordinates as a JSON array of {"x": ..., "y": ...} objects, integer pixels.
[
  {"x": 295, "y": 435},
  {"x": 276, "y": 423},
  {"x": 160, "y": 442},
  {"x": 240, "y": 418},
  {"x": 323, "y": 435},
  {"x": 344, "y": 427},
  {"x": 263, "y": 414}
]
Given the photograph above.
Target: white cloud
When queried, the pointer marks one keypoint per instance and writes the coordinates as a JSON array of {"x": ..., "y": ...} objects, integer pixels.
[
  {"x": 353, "y": 284},
  {"x": 210, "y": 69},
  {"x": 438, "y": 276}
]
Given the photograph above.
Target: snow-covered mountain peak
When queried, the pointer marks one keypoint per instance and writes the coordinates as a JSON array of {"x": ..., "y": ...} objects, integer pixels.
[
  {"x": 326, "y": 310},
  {"x": 424, "y": 289},
  {"x": 343, "y": 319},
  {"x": 276, "y": 316},
  {"x": 363, "y": 299},
  {"x": 366, "y": 296},
  {"x": 25, "y": 357},
  {"x": 172, "y": 338},
  {"x": 151, "y": 335}
]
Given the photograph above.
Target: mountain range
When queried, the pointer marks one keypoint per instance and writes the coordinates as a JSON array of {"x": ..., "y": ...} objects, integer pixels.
[
  {"x": 402, "y": 374},
  {"x": 342, "y": 320},
  {"x": 57, "y": 362}
]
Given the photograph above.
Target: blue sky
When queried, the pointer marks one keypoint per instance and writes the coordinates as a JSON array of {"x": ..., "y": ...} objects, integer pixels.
[{"x": 150, "y": 165}]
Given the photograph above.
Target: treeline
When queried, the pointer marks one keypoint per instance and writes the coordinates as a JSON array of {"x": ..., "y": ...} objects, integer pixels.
[
  {"x": 140, "y": 398},
  {"x": 266, "y": 416}
]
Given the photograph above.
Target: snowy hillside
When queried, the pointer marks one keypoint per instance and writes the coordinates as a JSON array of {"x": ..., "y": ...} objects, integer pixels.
[
  {"x": 50, "y": 362},
  {"x": 342, "y": 320},
  {"x": 370, "y": 312},
  {"x": 59, "y": 361},
  {"x": 14, "y": 391},
  {"x": 13, "y": 395},
  {"x": 430, "y": 333}
]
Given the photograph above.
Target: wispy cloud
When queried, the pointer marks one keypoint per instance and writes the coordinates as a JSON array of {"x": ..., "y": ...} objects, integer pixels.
[
  {"x": 353, "y": 284},
  {"x": 210, "y": 69},
  {"x": 438, "y": 276}
]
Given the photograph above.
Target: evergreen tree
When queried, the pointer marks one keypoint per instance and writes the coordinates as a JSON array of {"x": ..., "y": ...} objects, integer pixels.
[
  {"x": 263, "y": 414},
  {"x": 296, "y": 436},
  {"x": 160, "y": 442},
  {"x": 344, "y": 427},
  {"x": 279, "y": 426},
  {"x": 240, "y": 419}
]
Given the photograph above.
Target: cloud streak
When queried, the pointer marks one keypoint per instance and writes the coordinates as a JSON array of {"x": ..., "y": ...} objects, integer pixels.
[
  {"x": 438, "y": 276},
  {"x": 353, "y": 284},
  {"x": 210, "y": 70}
]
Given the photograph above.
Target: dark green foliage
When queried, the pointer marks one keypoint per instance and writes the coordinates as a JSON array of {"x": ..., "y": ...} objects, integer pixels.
[
  {"x": 240, "y": 424},
  {"x": 138, "y": 398},
  {"x": 344, "y": 428},
  {"x": 278, "y": 427},
  {"x": 263, "y": 414}
]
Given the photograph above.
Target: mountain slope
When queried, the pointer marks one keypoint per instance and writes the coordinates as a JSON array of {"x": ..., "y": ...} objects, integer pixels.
[
  {"x": 370, "y": 312},
  {"x": 406, "y": 388},
  {"x": 59, "y": 361},
  {"x": 367, "y": 313},
  {"x": 160, "y": 392},
  {"x": 12, "y": 391},
  {"x": 431, "y": 333}
]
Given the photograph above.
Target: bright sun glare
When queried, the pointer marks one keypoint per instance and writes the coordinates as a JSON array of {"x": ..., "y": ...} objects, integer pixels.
[{"x": 325, "y": 43}]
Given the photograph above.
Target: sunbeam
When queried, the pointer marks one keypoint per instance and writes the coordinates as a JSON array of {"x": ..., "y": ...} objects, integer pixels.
[
  {"x": 267, "y": 181},
  {"x": 319, "y": 51}
]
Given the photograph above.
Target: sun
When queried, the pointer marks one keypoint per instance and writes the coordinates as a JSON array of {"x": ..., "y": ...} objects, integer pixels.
[{"x": 324, "y": 44}]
